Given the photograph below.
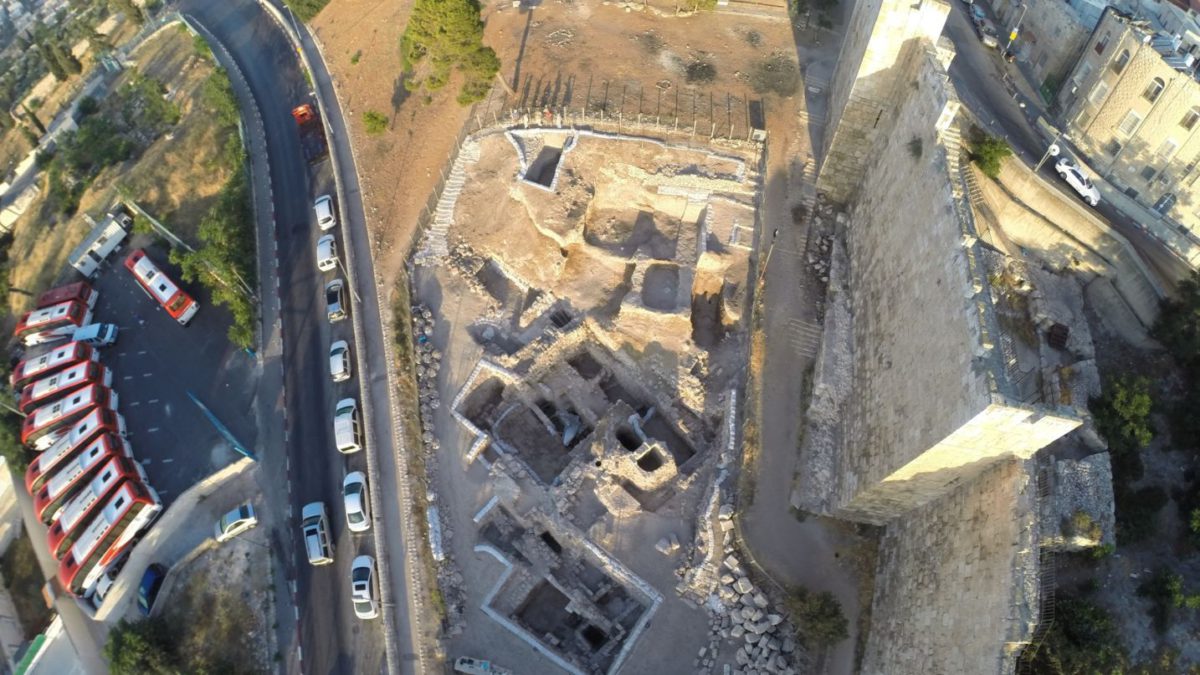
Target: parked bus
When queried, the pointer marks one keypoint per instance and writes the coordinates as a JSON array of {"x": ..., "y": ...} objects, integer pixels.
[
  {"x": 125, "y": 515},
  {"x": 44, "y": 466},
  {"x": 86, "y": 505},
  {"x": 80, "y": 291},
  {"x": 38, "y": 367},
  {"x": 65, "y": 483},
  {"x": 47, "y": 424},
  {"x": 161, "y": 288},
  {"x": 49, "y": 389},
  {"x": 49, "y": 323}
]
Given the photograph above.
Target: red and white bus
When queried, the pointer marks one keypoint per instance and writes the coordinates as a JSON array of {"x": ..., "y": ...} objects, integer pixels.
[
  {"x": 44, "y": 466},
  {"x": 63, "y": 485},
  {"x": 49, "y": 423},
  {"x": 126, "y": 513},
  {"x": 161, "y": 288},
  {"x": 86, "y": 505},
  {"x": 49, "y": 389},
  {"x": 80, "y": 291},
  {"x": 51, "y": 323},
  {"x": 38, "y": 367}
]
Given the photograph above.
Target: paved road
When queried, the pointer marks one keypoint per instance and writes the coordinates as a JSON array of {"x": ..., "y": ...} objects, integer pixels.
[
  {"x": 331, "y": 639},
  {"x": 976, "y": 73}
]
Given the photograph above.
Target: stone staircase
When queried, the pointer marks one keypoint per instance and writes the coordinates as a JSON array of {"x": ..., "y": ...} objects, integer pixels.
[{"x": 434, "y": 244}]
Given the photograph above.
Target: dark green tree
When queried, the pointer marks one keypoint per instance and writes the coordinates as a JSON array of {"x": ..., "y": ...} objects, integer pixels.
[
  {"x": 1178, "y": 326},
  {"x": 130, "y": 10},
  {"x": 443, "y": 36},
  {"x": 1082, "y": 640},
  {"x": 66, "y": 59},
  {"x": 55, "y": 66},
  {"x": 140, "y": 648},
  {"x": 818, "y": 617}
]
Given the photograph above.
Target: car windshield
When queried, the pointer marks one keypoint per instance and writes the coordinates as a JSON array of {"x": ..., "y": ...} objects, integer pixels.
[{"x": 363, "y": 606}]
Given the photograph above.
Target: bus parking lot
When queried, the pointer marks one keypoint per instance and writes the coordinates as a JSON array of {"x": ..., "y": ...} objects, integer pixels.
[{"x": 158, "y": 365}]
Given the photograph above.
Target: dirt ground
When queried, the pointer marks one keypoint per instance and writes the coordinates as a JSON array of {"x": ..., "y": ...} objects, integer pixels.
[
  {"x": 177, "y": 177},
  {"x": 548, "y": 53}
]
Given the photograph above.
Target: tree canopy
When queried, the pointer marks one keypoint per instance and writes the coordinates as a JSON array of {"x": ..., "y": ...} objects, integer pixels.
[{"x": 443, "y": 36}]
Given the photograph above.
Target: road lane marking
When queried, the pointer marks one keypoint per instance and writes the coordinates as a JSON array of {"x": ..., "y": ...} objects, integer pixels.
[
  {"x": 141, "y": 352},
  {"x": 127, "y": 377},
  {"x": 168, "y": 460},
  {"x": 134, "y": 403},
  {"x": 152, "y": 430},
  {"x": 153, "y": 400}
]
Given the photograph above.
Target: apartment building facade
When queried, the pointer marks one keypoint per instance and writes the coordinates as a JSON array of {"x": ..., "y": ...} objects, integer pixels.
[
  {"x": 1132, "y": 106},
  {"x": 1050, "y": 36}
]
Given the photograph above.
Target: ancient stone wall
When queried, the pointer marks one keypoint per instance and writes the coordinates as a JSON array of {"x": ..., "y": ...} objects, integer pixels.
[
  {"x": 956, "y": 585},
  {"x": 884, "y": 36}
]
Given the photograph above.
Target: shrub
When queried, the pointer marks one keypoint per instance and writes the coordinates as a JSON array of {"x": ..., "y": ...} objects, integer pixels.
[
  {"x": 1137, "y": 511},
  {"x": 987, "y": 152},
  {"x": 305, "y": 10},
  {"x": 1166, "y": 594},
  {"x": 375, "y": 122},
  {"x": 140, "y": 647},
  {"x": 1122, "y": 414},
  {"x": 700, "y": 72},
  {"x": 1082, "y": 640},
  {"x": 88, "y": 106},
  {"x": 818, "y": 616}
]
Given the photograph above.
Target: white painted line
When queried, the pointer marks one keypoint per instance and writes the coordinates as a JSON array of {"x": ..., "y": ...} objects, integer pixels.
[
  {"x": 153, "y": 400},
  {"x": 127, "y": 377},
  {"x": 135, "y": 403},
  {"x": 152, "y": 430},
  {"x": 147, "y": 374},
  {"x": 120, "y": 353},
  {"x": 168, "y": 460},
  {"x": 141, "y": 352},
  {"x": 296, "y": 612}
]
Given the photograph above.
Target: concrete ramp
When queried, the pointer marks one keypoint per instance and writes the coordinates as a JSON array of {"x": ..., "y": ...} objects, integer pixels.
[{"x": 1065, "y": 235}]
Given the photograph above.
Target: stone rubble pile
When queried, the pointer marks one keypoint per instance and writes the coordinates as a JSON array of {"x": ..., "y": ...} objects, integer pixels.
[{"x": 427, "y": 363}]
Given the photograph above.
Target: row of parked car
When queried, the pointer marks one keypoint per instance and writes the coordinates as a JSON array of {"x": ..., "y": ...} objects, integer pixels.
[{"x": 347, "y": 433}]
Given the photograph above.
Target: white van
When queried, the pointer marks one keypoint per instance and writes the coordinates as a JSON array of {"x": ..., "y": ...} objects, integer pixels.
[
  {"x": 314, "y": 527},
  {"x": 345, "y": 426},
  {"x": 96, "y": 334}
]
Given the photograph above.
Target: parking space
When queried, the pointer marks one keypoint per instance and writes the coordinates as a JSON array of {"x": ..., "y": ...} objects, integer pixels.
[{"x": 158, "y": 366}]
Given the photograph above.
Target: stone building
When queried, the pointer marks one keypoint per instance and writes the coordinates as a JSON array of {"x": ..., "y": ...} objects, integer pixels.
[
  {"x": 919, "y": 420},
  {"x": 1132, "y": 105},
  {"x": 1051, "y": 35}
]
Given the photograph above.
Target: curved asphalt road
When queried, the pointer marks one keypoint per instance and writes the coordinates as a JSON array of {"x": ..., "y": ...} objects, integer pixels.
[
  {"x": 331, "y": 639},
  {"x": 976, "y": 73}
]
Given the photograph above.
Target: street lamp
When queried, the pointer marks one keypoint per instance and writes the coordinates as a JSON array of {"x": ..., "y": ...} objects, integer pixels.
[
  {"x": 1052, "y": 150},
  {"x": 1012, "y": 35}
]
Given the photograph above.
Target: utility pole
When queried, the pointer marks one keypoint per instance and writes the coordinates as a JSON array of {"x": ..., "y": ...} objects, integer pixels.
[
  {"x": 1051, "y": 150},
  {"x": 1012, "y": 35}
]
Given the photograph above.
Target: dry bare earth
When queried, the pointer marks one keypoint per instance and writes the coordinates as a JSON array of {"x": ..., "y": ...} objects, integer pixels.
[
  {"x": 177, "y": 177},
  {"x": 555, "y": 51}
]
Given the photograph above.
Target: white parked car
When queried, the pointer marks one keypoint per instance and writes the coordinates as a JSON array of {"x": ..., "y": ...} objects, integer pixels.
[
  {"x": 327, "y": 258},
  {"x": 362, "y": 587},
  {"x": 1070, "y": 172},
  {"x": 235, "y": 522},
  {"x": 323, "y": 207},
  {"x": 354, "y": 494},
  {"x": 339, "y": 361}
]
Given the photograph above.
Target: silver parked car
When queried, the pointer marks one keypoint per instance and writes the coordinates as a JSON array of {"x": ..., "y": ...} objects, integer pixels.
[
  {"x": 335, "y": 300},
  {"x": 235, "y": 522}
]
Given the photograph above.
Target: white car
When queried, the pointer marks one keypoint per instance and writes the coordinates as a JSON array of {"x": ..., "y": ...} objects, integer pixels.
[
  {"x": 314, "y": 528},
  {"x": 323, "y": 207},
  {"x": 354, "y": 494},
  {"x": 362, "y": 587},
  {"x": 339, "y": 361},
  {"x": 235, "y": 522},
  {"x": 1075, "y": 177},
  {"x": 327, "y": 258}
]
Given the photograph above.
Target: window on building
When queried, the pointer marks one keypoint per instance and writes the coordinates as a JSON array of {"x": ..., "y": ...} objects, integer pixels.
[
  {"x": 1082, "y": 73},
  {"x": 1098, "y": 94},
  {"x": 1190, "y": 118},
  {"x": 1113, "y": 147},
  {"x": 1168, "y": 148},
  {"x": 1130, "y": 123},
  {"x": 1148, "y": 173},
  {"x": 1119, "y": 63},
  {"x": 1154, "y": 89},
  {"x": 1165, "y": 203},
  {"x": 1102, "y": 43}
]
